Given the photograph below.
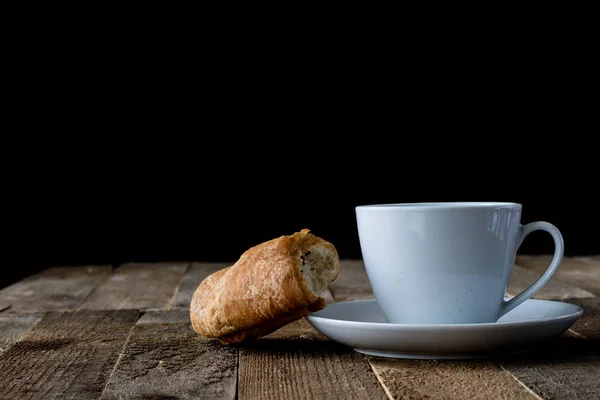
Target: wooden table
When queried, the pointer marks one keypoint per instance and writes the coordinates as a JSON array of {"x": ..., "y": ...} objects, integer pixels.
[{"x": 118, "y": 333}]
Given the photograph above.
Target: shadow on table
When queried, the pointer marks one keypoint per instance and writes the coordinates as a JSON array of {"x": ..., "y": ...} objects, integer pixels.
[
  {"x": 561, "y": 350},
  {"x": 306, "y": 345},
  {"x": 296, "y": 337},
  {"x": 557, "y": 352}
]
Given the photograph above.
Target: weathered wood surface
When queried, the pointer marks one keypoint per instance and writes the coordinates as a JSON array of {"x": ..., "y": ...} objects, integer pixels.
[
  {"x": 66, "y": 355},
  {"x": 588, "y": 325},
  {"x": 14, "y": 326},
  {"x": 54, "y": 289},
  {"x": 590, "y": 259},
  {"x": 195, "y": 274},
  {"x": 165, "y": 359},
  {"x": 113, "y": 355},
  {"x": 137, "y": 286},
  {"x": 296, "y": 362},
  {"x": 567, "y": 367},
  {"x": 421, "y": 379},
  {"x": 521, "y": 278},
  {"x": 573, "y": 270}
]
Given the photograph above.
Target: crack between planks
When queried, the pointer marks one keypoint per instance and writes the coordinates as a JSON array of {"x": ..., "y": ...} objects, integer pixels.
[
  {"x": 527, "y": 388},
  {"x": 169, "y": 305},
  {"x": 378, "y": 377},
  {"x": 121, "y": 354},
  {"x": 576, "y": 333}
]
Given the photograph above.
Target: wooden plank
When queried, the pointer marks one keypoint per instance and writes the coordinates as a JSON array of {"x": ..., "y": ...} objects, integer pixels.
[
  {"x": 588, "y": 326},
  {"x": 137, "y": 286},
  {"x": 14, "y": 326},
  {"x": 195, "y": 274},
  {"x": 421, "y": 379},
  {"x": 595, "y": 260},
  {"x": 352, "y": 282},
  {"x": 567, "y": 367},
  {"x": 54, "y": 289},
  {"x": 66, "y": 355},
  {"x": 296, "y": 362},
  {"x": 165, "y": 359},
  {"x": 521, "y": 278},
  {"x": 571, "y": 271}
]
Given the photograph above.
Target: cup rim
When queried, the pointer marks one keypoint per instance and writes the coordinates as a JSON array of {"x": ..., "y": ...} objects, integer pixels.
[{"x": 442, "y": 205}]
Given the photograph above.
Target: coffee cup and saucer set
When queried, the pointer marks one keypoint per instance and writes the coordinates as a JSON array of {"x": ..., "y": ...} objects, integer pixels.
[{"x": 439, "y": 273}]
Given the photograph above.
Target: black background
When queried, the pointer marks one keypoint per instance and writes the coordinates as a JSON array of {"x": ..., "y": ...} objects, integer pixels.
[
  {"x": 159, "y": 151},
  {"x": 211, "y": 201}
]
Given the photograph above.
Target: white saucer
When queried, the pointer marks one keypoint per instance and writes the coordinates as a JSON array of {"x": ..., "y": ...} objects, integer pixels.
[{"x": 361, "y": 325}]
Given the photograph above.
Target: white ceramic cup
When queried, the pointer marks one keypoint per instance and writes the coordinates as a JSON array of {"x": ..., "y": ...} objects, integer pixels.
[{"x": 446, "y": 263}]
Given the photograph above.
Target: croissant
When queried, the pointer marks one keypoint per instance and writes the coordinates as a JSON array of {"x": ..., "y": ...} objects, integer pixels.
[{"x": 271, "y": 284}]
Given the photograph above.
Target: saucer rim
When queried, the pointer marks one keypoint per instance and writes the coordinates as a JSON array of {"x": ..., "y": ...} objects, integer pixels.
[{"x": 385, "y": 325}]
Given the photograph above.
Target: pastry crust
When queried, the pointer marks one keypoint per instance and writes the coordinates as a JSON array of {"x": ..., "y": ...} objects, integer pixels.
[{"x": 268, "y": 287}]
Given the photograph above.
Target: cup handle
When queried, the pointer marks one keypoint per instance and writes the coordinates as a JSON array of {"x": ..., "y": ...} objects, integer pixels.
[{"x": 559, "y": 248}]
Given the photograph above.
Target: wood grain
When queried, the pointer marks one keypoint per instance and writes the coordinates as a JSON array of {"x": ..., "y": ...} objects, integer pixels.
[
  {"x": 66, "y": 355},
  {"x": 567, "y": 367},
  {"x": 352, "y": 282},
  {"x": 74, "y": 354},
  {"x": 165, "y": 359},
  {"x": 14, "y": 326},
  {"x": 420, "y": 379},
  {"x": 521, "y": 278},
  {"x": 137, "y": 286},
  {"x": 572, "y": 270},
  {"x": 588, "y": 325},
  {"x": 54, "y": 289},
  {"x": 195, "y": 274},
  {"x": 296, "y": 362},
  {"x": 589, "y": 259}
]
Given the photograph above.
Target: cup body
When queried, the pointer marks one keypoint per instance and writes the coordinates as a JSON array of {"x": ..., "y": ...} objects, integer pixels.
[{"x": 439, "y": 263}]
